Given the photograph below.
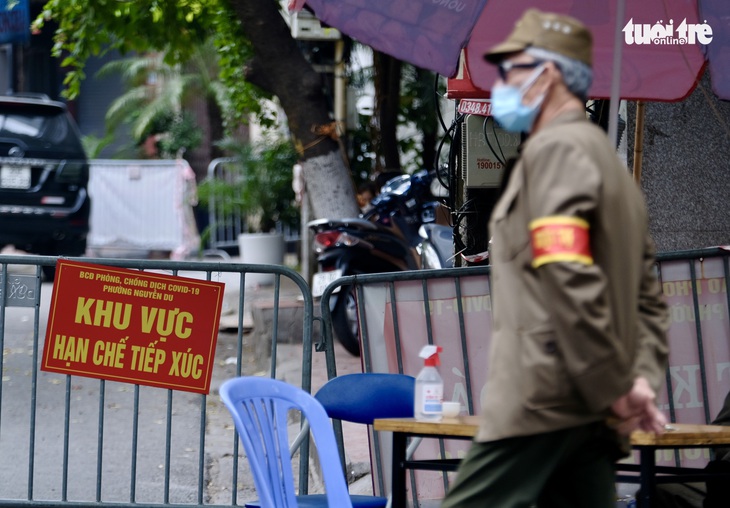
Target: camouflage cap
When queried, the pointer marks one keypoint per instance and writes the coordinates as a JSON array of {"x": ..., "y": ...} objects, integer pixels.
[{"x": 555, "y": 32}]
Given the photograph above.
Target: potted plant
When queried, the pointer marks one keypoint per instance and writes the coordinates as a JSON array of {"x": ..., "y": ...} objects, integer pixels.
[{"x": 258, "y": 186}]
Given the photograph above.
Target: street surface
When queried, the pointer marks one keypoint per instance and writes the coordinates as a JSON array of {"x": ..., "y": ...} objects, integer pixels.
[
  {"x": 101, "y": 434},
  {"x": 86, "y": 413}
]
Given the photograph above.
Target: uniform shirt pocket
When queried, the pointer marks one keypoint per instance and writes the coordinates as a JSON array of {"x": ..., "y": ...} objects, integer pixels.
[
  {"x": 545, "y": 379},
  {"x": 510, "y": 235}
]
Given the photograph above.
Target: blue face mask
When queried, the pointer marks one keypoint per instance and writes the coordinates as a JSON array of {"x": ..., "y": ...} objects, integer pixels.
[{"x": 508, "y": 109}]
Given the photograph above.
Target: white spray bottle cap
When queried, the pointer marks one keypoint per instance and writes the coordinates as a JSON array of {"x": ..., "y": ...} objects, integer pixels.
[{"x": 431, "y": 355}]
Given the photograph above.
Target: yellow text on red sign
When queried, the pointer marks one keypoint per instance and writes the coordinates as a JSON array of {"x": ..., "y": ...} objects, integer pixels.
[{"x": 131, "y": 326}]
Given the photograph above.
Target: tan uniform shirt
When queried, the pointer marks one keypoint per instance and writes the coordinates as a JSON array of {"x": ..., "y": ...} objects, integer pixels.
[{"x": 573, "y": 326}]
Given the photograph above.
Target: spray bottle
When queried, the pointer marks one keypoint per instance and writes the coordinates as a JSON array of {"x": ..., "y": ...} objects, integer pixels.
[{"x": 429, "y": 386}]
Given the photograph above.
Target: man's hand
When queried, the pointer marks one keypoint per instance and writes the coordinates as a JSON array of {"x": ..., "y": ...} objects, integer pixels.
[{"x": 637, "y": 410}]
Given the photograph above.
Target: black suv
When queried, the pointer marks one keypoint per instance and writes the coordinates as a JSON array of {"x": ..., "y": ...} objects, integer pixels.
[{"x": 44, "y": 172}]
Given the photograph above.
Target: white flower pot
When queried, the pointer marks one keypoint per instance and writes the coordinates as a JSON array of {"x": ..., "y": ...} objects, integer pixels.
[{"x": 261, "y": 249}]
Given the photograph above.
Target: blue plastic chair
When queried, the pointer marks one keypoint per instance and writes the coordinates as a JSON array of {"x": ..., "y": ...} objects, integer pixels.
[
  {"x": 364, "y": 397},
  {"x": 259, "y": 408}
]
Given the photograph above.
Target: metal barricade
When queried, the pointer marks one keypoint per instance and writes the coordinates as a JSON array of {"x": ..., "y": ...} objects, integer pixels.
[
  {"x": 67, "y": 440},
  {"x": 400, "y": 312},
  {"x": 76, "y": 441},
  {"x": 226, "y": 220}
]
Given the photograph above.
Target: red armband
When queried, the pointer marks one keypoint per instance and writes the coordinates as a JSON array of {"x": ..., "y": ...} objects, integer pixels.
[{"x": 560, "y": 238}]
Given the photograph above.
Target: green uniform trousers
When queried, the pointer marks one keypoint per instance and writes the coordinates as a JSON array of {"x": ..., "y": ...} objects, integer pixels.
[{"x": 571, "y": 468}]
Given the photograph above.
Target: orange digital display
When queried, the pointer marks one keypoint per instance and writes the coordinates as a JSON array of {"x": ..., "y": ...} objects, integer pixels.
[{"x": 132, "y": 326}]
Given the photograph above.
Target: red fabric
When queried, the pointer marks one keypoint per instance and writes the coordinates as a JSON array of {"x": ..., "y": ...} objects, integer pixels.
[
  {"x": 650, "y": 72},
  {"x": 429, "y": 34},
  {"x": 560, "y": 239}
]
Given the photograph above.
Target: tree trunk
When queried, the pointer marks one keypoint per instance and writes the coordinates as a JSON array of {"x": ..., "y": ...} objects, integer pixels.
[
  {"x": 279, "y": 67},
  {"x": 430, "y": 126},
  {"x": 216, "y": 127},
  {"x": 387, "y": 102}
]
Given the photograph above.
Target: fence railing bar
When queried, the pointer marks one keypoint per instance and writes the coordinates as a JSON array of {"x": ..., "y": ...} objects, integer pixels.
[
  {"x": 66, "y": 439},
  {"x": 239, "y": 331},
  {"x": 275, "y": 327},
  {"x": 201, "y": 448},
  {"x": 135, "y": 447},
  {"x": 464, "y": 348},
  {"x": 308, "y": 319},
  {"x": 396, "y": 326},
  {"x": 239, "y": 371},
  {"x": 668, "y": 377},
  {"x": 362, "y": 325},
  {"x": 700, "y": 346},
  {"x": 33, "y": 385},
  {"x": 427, "y": 311},
  {"x": 168, "y": 446},
  {"x": 684, "y": 255},
  {"x": 378, "y": 460},
  {"x": 201, "y": 433},
  {"x": 3, "y": 303},
  {"x": 234, "y": 472},
  {"x": 100, "y": 440}
]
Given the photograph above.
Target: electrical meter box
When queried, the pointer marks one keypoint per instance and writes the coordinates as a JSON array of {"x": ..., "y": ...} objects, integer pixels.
[
  {"x": 483, "y": 145},
  {"x": 305, "y": 26}
]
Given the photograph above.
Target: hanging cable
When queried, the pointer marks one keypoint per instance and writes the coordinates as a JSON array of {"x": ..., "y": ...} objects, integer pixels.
[{"x": 489, "y": 143}]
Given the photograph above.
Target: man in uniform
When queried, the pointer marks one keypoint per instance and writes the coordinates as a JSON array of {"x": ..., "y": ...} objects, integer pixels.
[{"x": 578, "y": 347}]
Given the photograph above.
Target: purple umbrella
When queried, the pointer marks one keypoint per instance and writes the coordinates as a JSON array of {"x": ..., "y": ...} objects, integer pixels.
[{"x": 432, "y": 33}]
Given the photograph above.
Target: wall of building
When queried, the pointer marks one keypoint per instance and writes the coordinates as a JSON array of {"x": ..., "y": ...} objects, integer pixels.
[
  {"x": 686, "y": 169},
  {"x": 96, "y": 95}
]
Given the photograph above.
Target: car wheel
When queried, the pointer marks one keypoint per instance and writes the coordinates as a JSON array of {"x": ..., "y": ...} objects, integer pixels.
[
  {"x": 67, "y": 247},
  {"x": 49, "y": 272}
]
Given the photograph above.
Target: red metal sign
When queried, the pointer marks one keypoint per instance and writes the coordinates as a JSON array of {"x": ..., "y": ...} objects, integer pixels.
[
  {"x": 461, "y": 86},
  {"x": 131, "y": 326}
]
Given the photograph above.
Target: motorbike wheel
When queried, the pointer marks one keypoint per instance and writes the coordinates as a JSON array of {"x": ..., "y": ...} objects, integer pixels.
[{"x": 344, "y": 320}]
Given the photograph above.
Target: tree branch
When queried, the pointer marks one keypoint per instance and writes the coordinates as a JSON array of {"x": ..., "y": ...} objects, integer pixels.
[{"x": 280, "y": 68}]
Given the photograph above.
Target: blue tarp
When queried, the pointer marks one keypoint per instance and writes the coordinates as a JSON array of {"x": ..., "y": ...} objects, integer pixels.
[{"x": 14, "y": 21}]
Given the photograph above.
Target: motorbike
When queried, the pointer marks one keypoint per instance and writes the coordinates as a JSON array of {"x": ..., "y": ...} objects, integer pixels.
[
  {"x": 398, "y": 233},
  {"x": 437, "y": 246}
]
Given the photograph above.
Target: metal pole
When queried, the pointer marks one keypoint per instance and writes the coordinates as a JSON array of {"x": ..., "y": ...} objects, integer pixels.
[
  {"x": 616, "y": 76},
  {"x": 639, "y": 141},
  {"x": 340, "y": 89},
  {"x": 305, "y": 242}
]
